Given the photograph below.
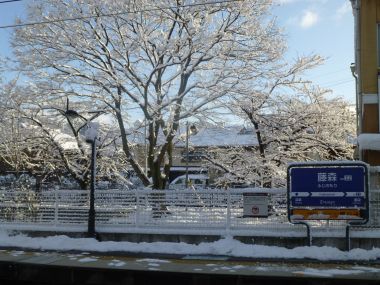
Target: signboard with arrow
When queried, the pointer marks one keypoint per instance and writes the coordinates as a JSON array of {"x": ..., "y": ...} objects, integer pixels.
[{"x": 328, "y": 191}]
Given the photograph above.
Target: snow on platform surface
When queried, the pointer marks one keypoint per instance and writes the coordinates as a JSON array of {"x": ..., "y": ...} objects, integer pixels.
[{"x": 273, "y": 270}]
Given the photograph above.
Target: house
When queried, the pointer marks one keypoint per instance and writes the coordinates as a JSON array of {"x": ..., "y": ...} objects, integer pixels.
[
  {"x": 366, "y": 71},
  {"x": 201, "y": 139},
  {"x": 207, "y": 137}
]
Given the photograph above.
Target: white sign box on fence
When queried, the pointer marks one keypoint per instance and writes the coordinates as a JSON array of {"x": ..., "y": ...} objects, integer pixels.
[{"x": 255, "y": 205}]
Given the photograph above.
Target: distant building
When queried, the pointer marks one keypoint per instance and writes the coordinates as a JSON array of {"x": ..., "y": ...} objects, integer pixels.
[
  {"x": 200, "y": 140},
  {"x": 205, "y": 138}
]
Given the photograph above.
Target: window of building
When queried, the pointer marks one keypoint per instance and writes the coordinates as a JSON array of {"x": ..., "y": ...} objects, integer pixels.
[{"x": 195, "y": 155}]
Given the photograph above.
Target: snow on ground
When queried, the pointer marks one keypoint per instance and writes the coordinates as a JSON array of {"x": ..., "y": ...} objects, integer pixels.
[{"x": 226, "y": 247}]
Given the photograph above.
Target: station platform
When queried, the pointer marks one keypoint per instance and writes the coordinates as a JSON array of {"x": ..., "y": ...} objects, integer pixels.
[{"x": 63, "y": 268}]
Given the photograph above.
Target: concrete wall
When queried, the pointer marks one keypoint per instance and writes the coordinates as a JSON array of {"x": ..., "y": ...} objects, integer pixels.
[{"x": 282, "y": 241}]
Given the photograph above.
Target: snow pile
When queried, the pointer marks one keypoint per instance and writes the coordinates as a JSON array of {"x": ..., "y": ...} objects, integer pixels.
[{"x": 226, "y": 247}]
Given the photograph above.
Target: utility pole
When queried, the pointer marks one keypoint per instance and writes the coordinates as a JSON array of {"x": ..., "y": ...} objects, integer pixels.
[{"x": 187, "y": 155}]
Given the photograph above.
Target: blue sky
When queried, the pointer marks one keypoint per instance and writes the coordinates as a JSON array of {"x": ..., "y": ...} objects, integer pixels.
[
  {"x": 324, "y": 27},
  {"x": 8, "y": 13}
]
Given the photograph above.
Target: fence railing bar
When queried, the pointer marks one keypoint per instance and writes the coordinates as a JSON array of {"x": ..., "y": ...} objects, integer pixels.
[{"x": 217, "y": 209}]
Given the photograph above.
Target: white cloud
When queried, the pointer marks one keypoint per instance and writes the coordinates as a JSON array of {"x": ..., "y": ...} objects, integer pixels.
[
  {"x": 343, "y": 10},
  {"x": 308, "y": 19}
]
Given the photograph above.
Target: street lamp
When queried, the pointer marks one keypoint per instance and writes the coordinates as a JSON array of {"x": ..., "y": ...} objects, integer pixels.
[
  {"x": 91, "y": 137},
  {"x": 91, "y": 133}
]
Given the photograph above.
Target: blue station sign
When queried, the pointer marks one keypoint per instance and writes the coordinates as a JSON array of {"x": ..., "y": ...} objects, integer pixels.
[{"x": 328, "y": 186}]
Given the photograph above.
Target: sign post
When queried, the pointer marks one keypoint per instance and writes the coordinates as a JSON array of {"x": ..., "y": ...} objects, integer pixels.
[{"x": 328, "y": 191}]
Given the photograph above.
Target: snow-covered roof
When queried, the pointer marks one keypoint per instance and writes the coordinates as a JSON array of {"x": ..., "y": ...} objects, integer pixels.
[
  {"x": 66, "y": 141},
  {"x": 207, "y": 137},
  {"x": 221, "y": 136}
]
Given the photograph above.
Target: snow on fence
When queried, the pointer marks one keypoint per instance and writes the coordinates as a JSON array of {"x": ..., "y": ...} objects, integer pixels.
[{"x": 212, "y": 211}]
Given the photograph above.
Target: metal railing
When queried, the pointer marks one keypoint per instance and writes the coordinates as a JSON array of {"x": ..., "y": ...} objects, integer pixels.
[{"x": 191, "y": 211}]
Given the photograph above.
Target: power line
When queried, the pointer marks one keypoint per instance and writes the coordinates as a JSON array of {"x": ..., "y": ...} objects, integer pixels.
[
  {"x": 114, "y": 14},
  {"x": 9, "y": 1},
  {"x": 339, "y": 83},
  {"x": 337, "y": 80},
  {"x": 329, "y": 73}
]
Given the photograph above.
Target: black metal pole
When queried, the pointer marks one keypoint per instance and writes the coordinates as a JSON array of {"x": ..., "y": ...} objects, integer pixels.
[
  {"x": 308, "y": 232},
  {"x": 91, "y": 214},
  {"x": 348, "y": 237},
  {"x": 187, "y": 156}
]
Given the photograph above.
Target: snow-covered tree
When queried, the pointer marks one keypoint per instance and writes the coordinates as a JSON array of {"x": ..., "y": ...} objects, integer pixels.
[
  {"x": 300, "y": 126},
  {"x": 40, "y": 140},
  {"x": 162, "y": 60}
]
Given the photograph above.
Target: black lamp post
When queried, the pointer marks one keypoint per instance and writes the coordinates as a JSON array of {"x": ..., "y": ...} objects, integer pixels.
[{"x": 91, "y": 137}]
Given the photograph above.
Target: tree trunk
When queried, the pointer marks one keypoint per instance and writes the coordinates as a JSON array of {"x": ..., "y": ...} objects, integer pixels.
[
  {"x": 266, "y": 183},
  {"x": 129, "y": 154}
]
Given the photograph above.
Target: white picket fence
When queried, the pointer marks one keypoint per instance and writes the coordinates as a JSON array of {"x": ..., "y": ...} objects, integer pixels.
[{"x": 204, "y": 212}]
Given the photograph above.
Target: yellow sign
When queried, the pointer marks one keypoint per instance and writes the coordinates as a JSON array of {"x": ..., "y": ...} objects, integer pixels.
[{"x": 325, "y": 214}]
